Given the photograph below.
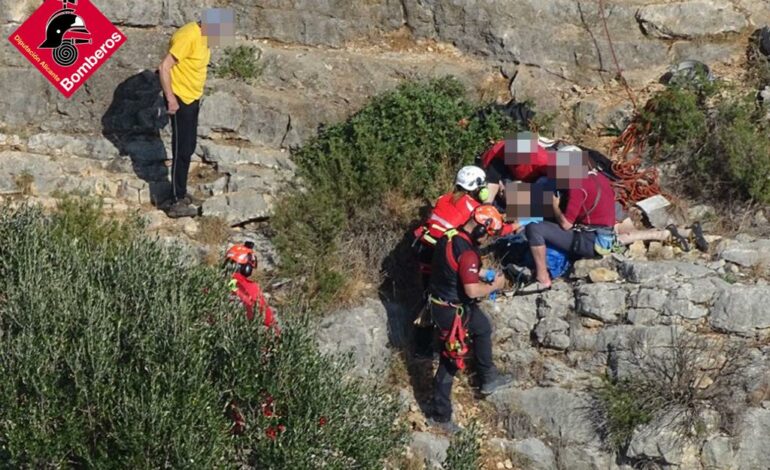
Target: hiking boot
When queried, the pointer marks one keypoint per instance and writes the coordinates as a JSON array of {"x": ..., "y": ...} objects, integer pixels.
[
  {"x": 165, "y": 204},
  {"x": 449, "y": 426},
  {"x": 191, "y": 200},
  {"x": 181, "y": 209},
  {"x": 678, "y": 238},
  {"x": 495, "y": 384},
  {"x": 700, "y": 241}
]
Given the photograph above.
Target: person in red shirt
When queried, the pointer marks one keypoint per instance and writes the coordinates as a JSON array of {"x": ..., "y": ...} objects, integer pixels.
[
  {"x": 525, "y": 159},
  {"x": 455, "y": 288},
  {"x": 589, "y": 217},
  {"x": 247, "y": 290}
]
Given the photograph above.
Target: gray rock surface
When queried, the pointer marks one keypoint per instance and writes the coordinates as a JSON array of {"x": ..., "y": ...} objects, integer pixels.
[
  {"x": 741, "y": 310},
  {"x": 585, "y": 458},
  {"x": 691, "y": 19},
  {"x": 605, "y": 302},
  {"x": 238, "y": 208},
  {"x": 429, "y": 447},
  {"x": 746, "y": 254},
  {"x": 362, "y": 331},
  {"x": 538, "y": 455},
  {"x": 752, "y": 440},
  {"x": 553, "y": 333},
  {"x": 659, "y": 441},
  {"x": 220, "y": 111},
  {"x": 642, "y": 316},
  {"x": 519, "y": 314},
  {"x": 555, "y": 303},
  {"x": 640, "y": 272},
  {"x": 554, "y": 411},
  {"x": 717, "y": 453}
]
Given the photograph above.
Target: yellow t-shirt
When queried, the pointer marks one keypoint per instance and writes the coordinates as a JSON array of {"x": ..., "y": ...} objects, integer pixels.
[{"x": 189, "y": 48}]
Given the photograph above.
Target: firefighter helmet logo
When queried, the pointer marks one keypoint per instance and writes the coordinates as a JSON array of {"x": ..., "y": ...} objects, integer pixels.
[
  {"x": 67, "y": 41},
  {"x": 64, "y": 31}
]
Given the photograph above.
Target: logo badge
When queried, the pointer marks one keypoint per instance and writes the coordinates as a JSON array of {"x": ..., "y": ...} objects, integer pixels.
[{"x": 67, "y": 40}]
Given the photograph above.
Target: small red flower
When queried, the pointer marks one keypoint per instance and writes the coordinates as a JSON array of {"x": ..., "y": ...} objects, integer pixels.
[
  {"x": 270, "y": 433},
  {"x": 321, "y": 421},
  {"x": 268, "y": 408},
  {"x": 281, "y": 428}
]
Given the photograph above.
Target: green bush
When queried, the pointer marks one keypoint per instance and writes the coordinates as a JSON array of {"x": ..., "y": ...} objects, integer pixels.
[
  {"x": 241, "y": 62},
  {"x": 367, "y": 177},
  {"x": 115, "y": 354},
  {"x": 678, "y": 380},
  {"x": 758, "y": 64},
  {"x": 719, "y": 139},
  {"x": 464, "y": 452},
  {"x": 736, "y": 157},
  {"x": 624, "y": 410},
  {"x": 676, "y": 122},
  {"x": 82, "y": 218}
]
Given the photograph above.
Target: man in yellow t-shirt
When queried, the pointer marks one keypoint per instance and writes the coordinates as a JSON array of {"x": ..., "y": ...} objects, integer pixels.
[{"x": 183, "y": 76}]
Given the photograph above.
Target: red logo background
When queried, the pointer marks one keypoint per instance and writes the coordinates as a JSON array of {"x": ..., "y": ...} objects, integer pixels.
[{"x": 103, "y": 34}]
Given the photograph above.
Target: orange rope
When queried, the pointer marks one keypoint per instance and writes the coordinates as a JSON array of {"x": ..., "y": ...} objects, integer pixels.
[{"x": 634, "y": 183}]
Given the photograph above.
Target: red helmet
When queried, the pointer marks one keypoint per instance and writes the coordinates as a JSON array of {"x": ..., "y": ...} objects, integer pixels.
[
  {"x": 487, "y": 216},
  {"x": 242, "y": 255}
]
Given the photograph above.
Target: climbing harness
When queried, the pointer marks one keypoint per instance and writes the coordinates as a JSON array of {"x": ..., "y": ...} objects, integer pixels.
[{"x": 455, "y": 347}]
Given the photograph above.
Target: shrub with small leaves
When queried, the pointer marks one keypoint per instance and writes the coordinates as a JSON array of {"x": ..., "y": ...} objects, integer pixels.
[
  {"x": 675, "y": 121},
  {"x": 116, "y": 354},
  {"x": 718, "y": 135},
  {"x": 241, "y": 62},
  {"x": 367, "y": 177},
  {"x": 678, "y": 379},
  {"x": 464, "y": 451}
]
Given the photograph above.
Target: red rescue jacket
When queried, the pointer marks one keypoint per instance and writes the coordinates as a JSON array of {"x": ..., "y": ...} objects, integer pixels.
[
  {"x": 528, "y": 173},
  {"x": 250, "y": 294},
  {"x": 449, "y": 214}
]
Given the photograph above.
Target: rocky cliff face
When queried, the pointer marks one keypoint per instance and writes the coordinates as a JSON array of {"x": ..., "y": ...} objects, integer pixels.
[
  {"x": 321, "y": 61},
  {"x": 560, "y": 345}
]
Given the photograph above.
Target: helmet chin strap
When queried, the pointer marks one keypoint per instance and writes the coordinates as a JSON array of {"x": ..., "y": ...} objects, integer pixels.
[{"x": 478, "y": 232}]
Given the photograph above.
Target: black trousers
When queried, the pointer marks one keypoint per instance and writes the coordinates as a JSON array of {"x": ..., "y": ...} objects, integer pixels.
[
  {"x": 422, "y": 336},
  {"x": 480, "y": 331},
  {"x": 184, "y": 138}
]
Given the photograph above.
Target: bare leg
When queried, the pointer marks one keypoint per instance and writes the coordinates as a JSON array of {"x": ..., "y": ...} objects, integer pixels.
[
  {"x": 541, "y": 270},
  {"x": 626, "y": 237},
  {"x": 629, "y": 238}
]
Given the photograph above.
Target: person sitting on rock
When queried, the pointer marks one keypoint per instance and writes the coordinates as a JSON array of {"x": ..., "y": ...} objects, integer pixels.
[
  {"x": 452, "y": 210},
  {"x": 585, "y": 227},
  {"x": 455, "y": 289},
  {"x": 524, "y": 159}
]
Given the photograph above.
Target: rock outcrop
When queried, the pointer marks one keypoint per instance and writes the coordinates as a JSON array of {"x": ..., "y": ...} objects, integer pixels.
[{"x": 561, "y": 344}]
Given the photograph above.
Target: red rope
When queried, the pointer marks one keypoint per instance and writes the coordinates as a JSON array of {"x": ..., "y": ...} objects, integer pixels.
[{"x": 614, "y": 56}]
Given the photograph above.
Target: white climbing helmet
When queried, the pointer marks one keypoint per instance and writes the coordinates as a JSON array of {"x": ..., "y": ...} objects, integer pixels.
[
  {"x": 471, "y": 178},
  {"x": 545, "y": 142}
]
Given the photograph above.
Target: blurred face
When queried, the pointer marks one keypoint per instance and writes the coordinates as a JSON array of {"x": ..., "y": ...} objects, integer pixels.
[
  {"x": 218, "y": 26},
  {"x": 519, "y": 151},
  {"x": 523, "y": 200},
  {"x": 568, "y": 167}
]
